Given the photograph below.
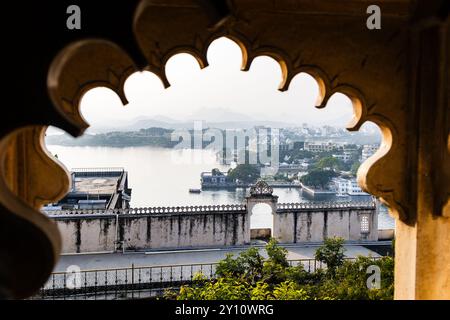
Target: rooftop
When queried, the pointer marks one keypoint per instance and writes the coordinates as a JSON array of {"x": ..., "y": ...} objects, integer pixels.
[{"x": 95, "y": 185}]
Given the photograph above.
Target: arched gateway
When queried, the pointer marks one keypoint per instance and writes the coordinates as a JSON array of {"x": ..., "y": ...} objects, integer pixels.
[
  {"x": 313, "y": 222},
  {"x": 260, "y": 193}
]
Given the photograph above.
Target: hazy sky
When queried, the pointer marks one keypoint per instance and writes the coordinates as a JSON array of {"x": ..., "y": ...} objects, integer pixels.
[{"x": 195, "y": 93}]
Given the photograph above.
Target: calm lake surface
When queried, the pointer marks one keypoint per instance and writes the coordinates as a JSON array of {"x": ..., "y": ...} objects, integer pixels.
[{"x": 162, "y": 177}]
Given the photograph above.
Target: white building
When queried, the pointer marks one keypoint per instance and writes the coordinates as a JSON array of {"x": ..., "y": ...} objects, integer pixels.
[
  {"x": 368, "y": 150},
  {"x": 346, "y": 156},
  {"x": 348, "y": 187},
  {"x": 319, "y": 146}
]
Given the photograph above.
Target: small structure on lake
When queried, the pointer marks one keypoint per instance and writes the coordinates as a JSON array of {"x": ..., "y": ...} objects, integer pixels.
[{"x": 96, "y": 188}]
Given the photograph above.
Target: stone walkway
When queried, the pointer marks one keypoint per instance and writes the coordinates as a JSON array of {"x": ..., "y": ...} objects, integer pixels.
[
  {"x": 167, "y": 258},
  {"x": 103, "y": 274}
]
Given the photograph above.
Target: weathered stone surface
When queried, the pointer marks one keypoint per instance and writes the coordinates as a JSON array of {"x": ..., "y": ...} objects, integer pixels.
[{"x": 208, "y": 226}]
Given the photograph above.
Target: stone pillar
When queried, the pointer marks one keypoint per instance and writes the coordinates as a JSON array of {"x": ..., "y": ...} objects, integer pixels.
[{"x": 422, "y": 247}]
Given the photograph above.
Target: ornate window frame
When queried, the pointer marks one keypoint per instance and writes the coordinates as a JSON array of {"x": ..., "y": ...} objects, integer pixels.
[{"x": 377, "y": 70}]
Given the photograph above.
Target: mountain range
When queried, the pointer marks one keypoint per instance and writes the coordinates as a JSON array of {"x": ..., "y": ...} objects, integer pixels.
[{"x": 216, "y": 118}]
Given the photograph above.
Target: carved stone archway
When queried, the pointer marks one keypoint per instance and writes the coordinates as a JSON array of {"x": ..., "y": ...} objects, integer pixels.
[
  {"x": 261, "y": 193},
  {"x": 396, "y": 77}
]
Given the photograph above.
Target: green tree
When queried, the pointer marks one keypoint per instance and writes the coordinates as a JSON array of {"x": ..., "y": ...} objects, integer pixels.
[
  {"x": 261, "y": 291},
  {"x": 296, "y": 155},
  {"x": 329, "y": 162},
  {"x": 223, "y": 288},
  {"x": 350, "y": 281},
  {"x": 246, "y": 173},
  {"x": 216, "y": 172},
  {"x": 250, "y": 276},
  {"x": 332, "y": 254},
  {"x": 355, "y": 167},
  {"x": 289, "y": 290},
  {"x": 274, "y": 268},
  {"x": 248, "y": 266},
  {"x": 318, "y": 178}
]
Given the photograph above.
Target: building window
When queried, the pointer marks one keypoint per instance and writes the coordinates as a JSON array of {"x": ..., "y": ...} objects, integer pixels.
[{"x": 365, "y": 224}]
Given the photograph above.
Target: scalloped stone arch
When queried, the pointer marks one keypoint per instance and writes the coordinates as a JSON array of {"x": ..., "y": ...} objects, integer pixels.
[
  {"x": 382, "y": 73},
  {"x": 288, "y": 72}
]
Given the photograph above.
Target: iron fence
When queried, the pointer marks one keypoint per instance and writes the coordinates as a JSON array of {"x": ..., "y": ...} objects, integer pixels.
[{"x": 135, "y": 281}]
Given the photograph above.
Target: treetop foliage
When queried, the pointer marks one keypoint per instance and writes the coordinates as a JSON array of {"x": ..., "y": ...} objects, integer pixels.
[{"x": 250, "y": 276}]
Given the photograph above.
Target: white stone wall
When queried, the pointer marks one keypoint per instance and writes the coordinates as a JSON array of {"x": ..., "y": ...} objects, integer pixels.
[
  {"x": 87, "y": 234},
  {"x": 96, "y": 233},
  {"x": 315, "y": 226},
  {"x": 181, "y": 231},
  {"x": 99, "y": 232}
]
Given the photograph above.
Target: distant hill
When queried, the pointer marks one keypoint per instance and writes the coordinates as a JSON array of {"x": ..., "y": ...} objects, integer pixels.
[
  {"x": 220, "y": 118},
  {"x": 143, "y": 123},
  {"x": 156, "y": 137},
  {"x": 162, "y": 137}
]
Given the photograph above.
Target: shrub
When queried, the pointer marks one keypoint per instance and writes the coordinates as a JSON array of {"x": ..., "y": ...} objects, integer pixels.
[
  {"x": 250, "y": 276},
  {"x": 332, "y": 254}
]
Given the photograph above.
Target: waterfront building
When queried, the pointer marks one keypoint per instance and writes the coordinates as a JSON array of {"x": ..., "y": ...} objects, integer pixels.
[
  {"x": 96, "y": 188},
  {"x": 349, "y": 187},
  {"x": 215, "y": 179}
]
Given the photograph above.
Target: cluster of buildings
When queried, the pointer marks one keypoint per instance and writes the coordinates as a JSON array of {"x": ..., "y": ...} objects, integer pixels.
[
  {"x": 309, "y": 132},
  {"x": 305, "y": 138},
  {"x": 347, "y": 152},
  {"x": 312, "y": 139},
  {"x": 320, "y": 146}
]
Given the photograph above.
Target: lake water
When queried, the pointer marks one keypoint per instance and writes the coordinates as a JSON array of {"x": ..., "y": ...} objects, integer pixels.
[{"x": 162, "y": 177}]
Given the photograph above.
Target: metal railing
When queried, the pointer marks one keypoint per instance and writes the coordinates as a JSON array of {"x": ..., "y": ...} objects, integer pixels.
[
  {"x": 225, "y": 208},
  {"x": 231, "y": 208},
  {"x": 119, "y": 283},
  {"x": 99, "y": 170},
  {"x": 325, "y": 205},
  {"x": 135, "y": 282}
]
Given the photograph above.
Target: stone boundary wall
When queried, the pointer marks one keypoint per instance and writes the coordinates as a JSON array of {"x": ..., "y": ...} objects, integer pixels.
[
  {"x": 208, "y": 226},
  {"x": 299, "y": 223},
  {"x": 152, "y": 228}
]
